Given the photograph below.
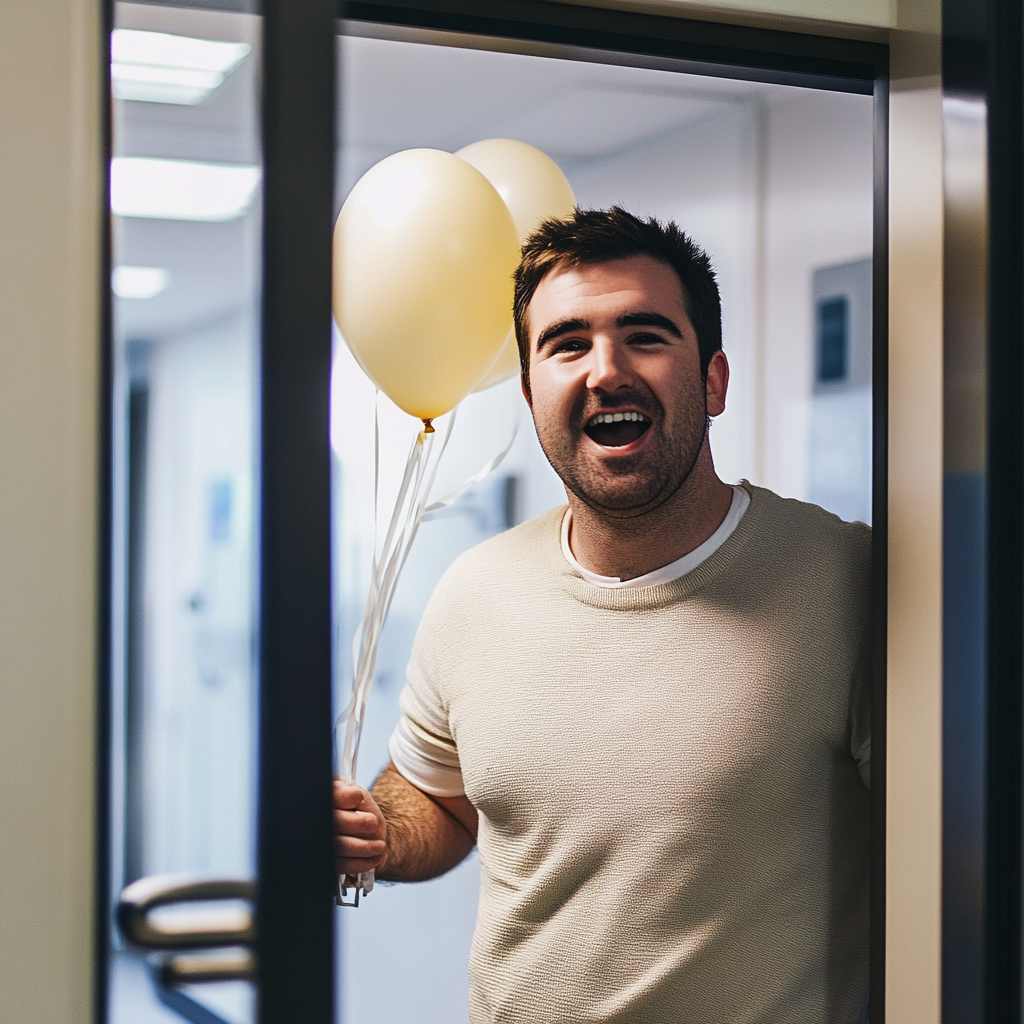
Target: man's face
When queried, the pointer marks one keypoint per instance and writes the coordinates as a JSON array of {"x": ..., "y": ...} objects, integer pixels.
[{"x": 617, "y": 395}]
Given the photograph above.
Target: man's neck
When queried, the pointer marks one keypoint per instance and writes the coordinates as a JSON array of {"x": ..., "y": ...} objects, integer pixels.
[{"x": 629, "y": 547}]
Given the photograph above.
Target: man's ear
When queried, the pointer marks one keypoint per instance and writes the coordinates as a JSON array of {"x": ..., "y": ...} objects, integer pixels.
[
  {"x": 717, "y": 383},
  {"x": 526, "y": 390}
]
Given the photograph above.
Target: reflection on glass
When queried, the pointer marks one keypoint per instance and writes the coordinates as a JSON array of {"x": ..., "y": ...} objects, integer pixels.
[
  {"x": 775, "y": 182},
  {"x": 185, "y": 195}
]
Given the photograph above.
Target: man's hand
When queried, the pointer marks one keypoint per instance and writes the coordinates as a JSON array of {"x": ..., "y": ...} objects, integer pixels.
[
  {"x": 399, "y": 832},
  {"x": 360, "y": 831}
]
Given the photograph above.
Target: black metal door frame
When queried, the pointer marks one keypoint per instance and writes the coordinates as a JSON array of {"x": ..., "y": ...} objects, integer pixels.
[
  {"x": 1005, "y": 511},
  {"x": 295, "y": 907},
  {"x": 983, "y": 522}
]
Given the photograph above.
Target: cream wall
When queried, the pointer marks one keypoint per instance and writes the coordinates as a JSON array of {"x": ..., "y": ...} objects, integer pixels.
[
  {"x": 880, "y": 13},
  {"x": 841, "y": 17},
  {"x": 914, "y": 789},
  {"x": 50, "y": 217}
]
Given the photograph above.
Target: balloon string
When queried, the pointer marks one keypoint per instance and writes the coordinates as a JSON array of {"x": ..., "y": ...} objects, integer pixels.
[
  {"x": 364, "y": 642},
  {"x": 417, "y": 481},
  {"x": 420, "y": 493},
  {"x": 386, "y": 568},
  {"x": 487, "y": 468},
  {"x": 376, "y": 468},
  {"x": 421, "y": 507}
]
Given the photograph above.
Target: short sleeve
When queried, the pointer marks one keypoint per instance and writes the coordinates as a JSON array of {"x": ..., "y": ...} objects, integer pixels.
[{"x": 422, "y": 747}]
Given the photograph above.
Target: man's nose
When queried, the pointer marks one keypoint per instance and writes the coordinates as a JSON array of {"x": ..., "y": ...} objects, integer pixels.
[{"x": 609, "y": 366}]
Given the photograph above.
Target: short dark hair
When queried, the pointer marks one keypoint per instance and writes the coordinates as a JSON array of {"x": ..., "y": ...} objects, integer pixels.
[{"x": 600, "y": 236}]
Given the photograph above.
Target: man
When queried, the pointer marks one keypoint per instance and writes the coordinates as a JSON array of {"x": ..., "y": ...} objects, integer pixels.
[{"x": 649, "y": 710}]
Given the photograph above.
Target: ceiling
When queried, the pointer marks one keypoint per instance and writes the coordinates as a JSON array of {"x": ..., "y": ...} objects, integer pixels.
[
  {"x": 394, "y": 95},
  {"x": 397, "y": 94}
]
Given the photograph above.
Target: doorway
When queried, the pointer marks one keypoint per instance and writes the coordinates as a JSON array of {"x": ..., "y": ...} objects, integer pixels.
[{"x": 774, "y": 180}]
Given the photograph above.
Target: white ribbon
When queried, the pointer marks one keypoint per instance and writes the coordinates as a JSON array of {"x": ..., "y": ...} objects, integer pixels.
[
  {"x": 488, "y": 467},
  {"x": 410, "y": 507}
]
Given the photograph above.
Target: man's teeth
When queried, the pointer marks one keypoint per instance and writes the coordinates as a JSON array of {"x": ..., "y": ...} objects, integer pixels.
[{"x": 618, "y": 417}]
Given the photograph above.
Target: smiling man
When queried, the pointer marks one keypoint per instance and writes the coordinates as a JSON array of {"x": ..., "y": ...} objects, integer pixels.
[{"x": 649, "y": 708}]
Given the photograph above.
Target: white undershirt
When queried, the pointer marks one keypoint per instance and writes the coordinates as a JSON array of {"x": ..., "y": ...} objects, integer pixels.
[{"x": 672, "y": 571}]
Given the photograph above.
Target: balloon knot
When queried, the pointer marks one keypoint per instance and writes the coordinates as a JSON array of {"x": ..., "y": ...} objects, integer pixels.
[{"x": 428, "y": 425}]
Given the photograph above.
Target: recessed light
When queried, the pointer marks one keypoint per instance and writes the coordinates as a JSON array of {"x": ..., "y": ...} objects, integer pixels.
[
  {"x": 181, "y": 189},
  {"x": 157, "y": 67},
  {"x": 139, "y": 282},
  {"x": 163, "y": 85}
]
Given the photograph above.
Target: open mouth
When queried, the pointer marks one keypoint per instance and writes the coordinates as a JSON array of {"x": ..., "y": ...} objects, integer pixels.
[{"x": 617, "y": 429}]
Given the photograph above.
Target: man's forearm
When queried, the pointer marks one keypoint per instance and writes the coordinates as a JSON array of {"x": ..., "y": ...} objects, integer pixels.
[{"x": 424, "y": 840}]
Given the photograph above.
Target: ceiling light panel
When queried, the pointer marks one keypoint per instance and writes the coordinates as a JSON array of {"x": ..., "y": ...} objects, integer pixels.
[
  {"x": 181, "y": 189},
  {"x": 157, "y": 67},
  {"x": 139, "y": 282}
]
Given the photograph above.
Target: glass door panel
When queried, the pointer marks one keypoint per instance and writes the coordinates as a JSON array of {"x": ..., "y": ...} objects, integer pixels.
[{"x": 185, "y": 198}]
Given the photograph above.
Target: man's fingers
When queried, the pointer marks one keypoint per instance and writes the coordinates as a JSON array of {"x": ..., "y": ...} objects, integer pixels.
[
  {"x": 359, "y": 830},
  {"x": 358, "y": 823},
  {"x": 348, "y": 797},
  {"x": 348, "y": 847}
]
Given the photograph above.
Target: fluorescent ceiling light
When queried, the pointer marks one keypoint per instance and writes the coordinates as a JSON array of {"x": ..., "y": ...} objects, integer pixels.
[
  {"x": 163, "y": 85},
  {"x": 180, "y": 189},
  {"x": 139, "y": 282},
  {"x": 157, "y": 67}
]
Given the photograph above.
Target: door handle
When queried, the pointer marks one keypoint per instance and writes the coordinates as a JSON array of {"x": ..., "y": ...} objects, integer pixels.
[
  {"x": 194, "y": 968},
  {"x": 198, "y": 929}
]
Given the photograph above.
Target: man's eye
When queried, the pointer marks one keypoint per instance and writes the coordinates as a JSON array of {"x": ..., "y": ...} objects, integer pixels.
[
  {"x": 570, "y": 345},
  {"x": 647, "y": 339}
]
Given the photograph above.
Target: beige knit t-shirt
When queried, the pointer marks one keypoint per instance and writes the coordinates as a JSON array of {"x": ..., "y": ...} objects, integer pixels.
[{"x": 673, "y": 829}]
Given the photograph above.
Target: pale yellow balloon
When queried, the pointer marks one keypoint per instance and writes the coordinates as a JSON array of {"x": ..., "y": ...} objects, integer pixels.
[
  {"x": 424, "y": 252},
  {"x": 531, "y": 183},
  {"x": 535, "y": 189}
]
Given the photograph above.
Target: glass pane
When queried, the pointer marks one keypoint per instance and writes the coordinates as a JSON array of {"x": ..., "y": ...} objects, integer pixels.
[
  {"x": 185, "y": 196},
  {"x": 776, "y": 183}
]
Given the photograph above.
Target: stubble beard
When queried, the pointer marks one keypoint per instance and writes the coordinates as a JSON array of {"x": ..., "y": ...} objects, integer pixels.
[{"x": 625, "y": 488}]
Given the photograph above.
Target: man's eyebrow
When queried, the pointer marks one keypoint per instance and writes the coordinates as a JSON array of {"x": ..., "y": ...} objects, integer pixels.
[
  {"x": 556, "y": 330},
  {"x": 646, "y": 319}
]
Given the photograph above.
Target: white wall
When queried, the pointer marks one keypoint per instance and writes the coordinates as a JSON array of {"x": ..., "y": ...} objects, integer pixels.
[{"x": 818, "y": 212}]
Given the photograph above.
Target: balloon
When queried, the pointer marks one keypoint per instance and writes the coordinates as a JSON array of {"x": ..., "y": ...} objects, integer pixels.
[
  {"x": 535, "y": 189},
  {"x": 531, "y": 183},
  {"x": 424, "y": 252}
]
